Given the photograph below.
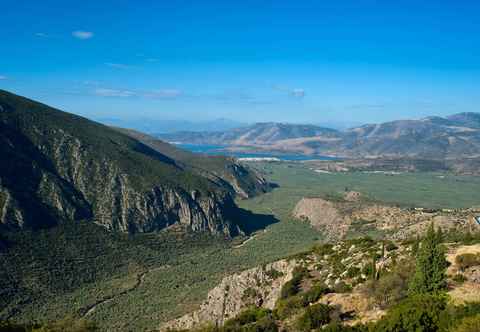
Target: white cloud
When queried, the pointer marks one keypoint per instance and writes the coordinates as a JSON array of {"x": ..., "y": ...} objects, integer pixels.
[
  {"x": 114, "y": 93},
  {"x": 91, "y": 83},
  {"x": 118, "y": 65},
  {"x": 3, "y": 77},
  {"x": 164, "y": 93},
  {"x": 297, "y": 92},
  {"x": 125, "y": 93},
  {"x": 82, "y": 34},
  {"x": 300, "y": 93}
]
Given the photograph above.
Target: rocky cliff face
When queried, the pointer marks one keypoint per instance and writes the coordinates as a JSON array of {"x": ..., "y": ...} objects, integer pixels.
[
  {"x": 239, "y": 178},
  {"x": 62, "y": 167},
  {"x": 259, "y": 286}
]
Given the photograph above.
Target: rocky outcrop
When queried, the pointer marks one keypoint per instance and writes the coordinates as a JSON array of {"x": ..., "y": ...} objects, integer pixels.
[
  {"x": 259, "y": 286},
  {"x": 337, "y": 218},
  {"x": 322, "y": 215}
]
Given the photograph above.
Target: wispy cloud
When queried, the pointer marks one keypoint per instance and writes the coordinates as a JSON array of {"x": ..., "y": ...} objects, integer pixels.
[
  {"x": 126, "y": 93},
  {"x": 80, "y": 34},
  {"x": 164, "y": 93},
  {"x": 113, "y": 93},
  {"x": 296, "y": 92},
  {"x": 118, "y": 65},
  {"x": 3, "y": 77},
  {"x": 91, "y": 83},
  {"x": 41, "y": 35}
]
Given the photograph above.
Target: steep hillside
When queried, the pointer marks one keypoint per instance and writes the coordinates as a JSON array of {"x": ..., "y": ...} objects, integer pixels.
[
  {"x": 225, "y": 171},
  {"x": 64, "y": 167}
]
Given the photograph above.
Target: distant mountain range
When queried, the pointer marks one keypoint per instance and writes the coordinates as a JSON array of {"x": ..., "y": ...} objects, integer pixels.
[
  {"x": 59, "y": 167},
  {"x": 456, "y": 136},
  {"x": 148, "y": 125}
]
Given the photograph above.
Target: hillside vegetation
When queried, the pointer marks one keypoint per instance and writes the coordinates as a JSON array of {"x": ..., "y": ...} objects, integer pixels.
[{"x": 64, "y": 167}]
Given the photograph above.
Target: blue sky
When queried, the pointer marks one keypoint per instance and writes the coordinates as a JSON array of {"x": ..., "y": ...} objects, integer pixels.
[{"x": 293, "y": 61}]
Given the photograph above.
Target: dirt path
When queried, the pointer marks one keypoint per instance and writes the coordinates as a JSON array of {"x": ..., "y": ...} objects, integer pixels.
[
  {"x": 245, "y": 242},
  {"x": 88, "y": 310}
]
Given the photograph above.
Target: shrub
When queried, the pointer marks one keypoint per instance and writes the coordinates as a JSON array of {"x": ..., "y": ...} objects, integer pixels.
[
  {"x": 324, "y": 249},
  {"x": 314, "y": 317},
  {"x": 368, "y": 270},
  {"x": 287, "y": 307},
  {"x": 314, "y": 294},
  {"x": 273, "y": 273},
  {"x": 459, "y": 278},
  {"x": 389, "y": 289},
  {"x": 418, "y": 313},
  {"x": 467, "y": 260},
  {"x": 292, "y": 287},
  {"x": 249, "y": 293},
  {"x": 353, "y": 272},
  {"x": 391, "y": 246},
  {"x": 454, "y": 315},
  {"x": 337, "y": 327},
  {"x": 342, "y": 287},
  {"x": 469, "y": 324},
  {"x": 266, "y": 324},
  {"x": 247, "y": 316}
]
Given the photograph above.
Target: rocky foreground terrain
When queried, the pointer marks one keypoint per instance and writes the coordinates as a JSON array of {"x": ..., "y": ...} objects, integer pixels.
[
  {"x": 357, "y": 277},
  {"x": 339, "y": 276}
]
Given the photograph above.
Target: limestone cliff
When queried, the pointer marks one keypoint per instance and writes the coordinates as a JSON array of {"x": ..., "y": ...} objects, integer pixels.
[
  {"x": 62, "y": 167},
  {"x": 259, "y": 286}
]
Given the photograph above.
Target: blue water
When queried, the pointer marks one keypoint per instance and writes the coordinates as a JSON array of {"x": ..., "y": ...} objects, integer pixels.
[{"x": 220, "y": 150}]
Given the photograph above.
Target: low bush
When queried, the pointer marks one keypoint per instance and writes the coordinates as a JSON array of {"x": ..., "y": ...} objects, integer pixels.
[
  {"x": 286, "y": 307},
  {"x": 337, "y": 327},
  {"x": 467, "y": 260},
  {"x": 469, "y": 324},
  {"x": 315, "y": 316},
  {"x": 324, "y": 249},
  {"x": 273, "y": 273},
  {"x": 342, "y": 287},
  {"x": 390, "y": 288},
  {"x": 390, "y": 246},
  {"x": 459, "y": 278},
  {"x": 247, "y": 316},
  {"x": 418, "y": 313},
  {"x": 314, "y": 294},
  {"x": 292, "y": 287},
  {"x": 353, "y": 272}
]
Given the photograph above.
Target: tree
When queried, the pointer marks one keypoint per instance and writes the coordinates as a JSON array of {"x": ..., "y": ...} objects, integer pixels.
[{"x": 431, "y": 265}]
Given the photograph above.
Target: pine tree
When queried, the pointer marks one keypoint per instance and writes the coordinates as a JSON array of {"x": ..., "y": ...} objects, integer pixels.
[{"x": 431, "y": 265}]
